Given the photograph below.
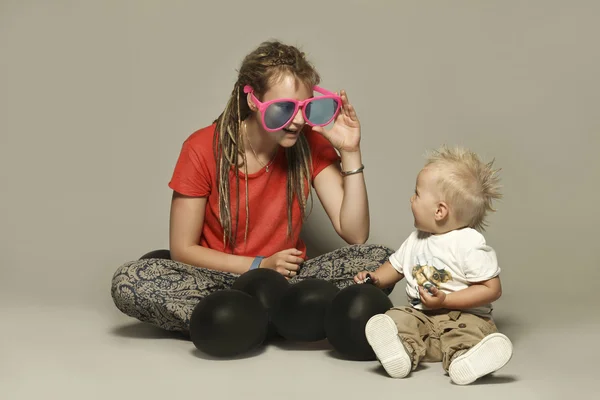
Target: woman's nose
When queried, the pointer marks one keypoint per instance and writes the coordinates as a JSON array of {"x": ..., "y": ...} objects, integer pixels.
[{"x": 298, "y": 118}]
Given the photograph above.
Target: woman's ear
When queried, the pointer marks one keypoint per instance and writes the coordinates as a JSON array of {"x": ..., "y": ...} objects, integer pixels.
[
  {"x": 441, "y": 212},
  {"x": 251, "y": 104}
]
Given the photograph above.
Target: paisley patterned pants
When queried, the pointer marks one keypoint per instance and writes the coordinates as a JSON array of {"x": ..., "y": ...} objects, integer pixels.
[{"x": 165, "y": 292}]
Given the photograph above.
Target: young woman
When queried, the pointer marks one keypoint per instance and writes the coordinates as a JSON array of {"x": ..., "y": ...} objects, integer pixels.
[{"x": 242, "y": 189}]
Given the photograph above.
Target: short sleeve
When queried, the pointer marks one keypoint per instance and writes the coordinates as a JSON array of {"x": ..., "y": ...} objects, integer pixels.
[
  {"x": 191, "y": 176},
  {"x": 322, "y": 152},
  {"x": 397, "y": 259},
  {"x": 481, "y": 263}
]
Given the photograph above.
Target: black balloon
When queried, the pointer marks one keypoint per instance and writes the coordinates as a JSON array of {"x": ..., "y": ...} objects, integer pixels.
[
  {"x": 347, "y": 317},
  {"x": 228, "y": 323},
  {"x": 300, "y": 315},
  {"x": 267, "y": 286},
  {"x": 163, "y": 254}
]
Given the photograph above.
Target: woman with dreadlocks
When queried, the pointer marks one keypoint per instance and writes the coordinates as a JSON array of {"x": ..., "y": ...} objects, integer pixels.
[{"x": 242, "y": 190}]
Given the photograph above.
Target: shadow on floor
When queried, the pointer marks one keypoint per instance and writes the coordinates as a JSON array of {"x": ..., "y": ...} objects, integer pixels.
[
  {"x": 333, "y": 353},
  {"x": 494, "y": 380},
  {"x": 141, "y": 330},
  {"x": 289, "y": 345},
  {"x": 254, "y": 353},
  {"x": 379, "y": 370}
]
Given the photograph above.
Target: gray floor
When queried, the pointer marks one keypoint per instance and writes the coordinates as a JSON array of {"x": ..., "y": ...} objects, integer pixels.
[{"x": 56, "y": 351}]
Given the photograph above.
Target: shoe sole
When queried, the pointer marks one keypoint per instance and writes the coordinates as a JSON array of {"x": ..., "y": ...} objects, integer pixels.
[
  {"x": 382, "y": 335},
  {"x": 487, "y": 356}
]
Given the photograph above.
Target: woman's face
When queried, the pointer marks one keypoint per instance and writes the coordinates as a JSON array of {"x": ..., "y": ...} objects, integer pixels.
[{"x": 288, "y": 87}]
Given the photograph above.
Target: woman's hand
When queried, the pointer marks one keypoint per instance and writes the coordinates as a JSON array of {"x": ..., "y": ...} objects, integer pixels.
[
  {"x": 286, "y": 262},
  {"x": 345, "y": 133}
]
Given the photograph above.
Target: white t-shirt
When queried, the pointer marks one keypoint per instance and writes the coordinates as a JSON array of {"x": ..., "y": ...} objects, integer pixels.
[{"x": 451, "y": 261}]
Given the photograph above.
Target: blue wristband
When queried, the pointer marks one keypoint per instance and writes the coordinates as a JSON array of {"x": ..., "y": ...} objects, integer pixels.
[{"x": 256, "y": 262}]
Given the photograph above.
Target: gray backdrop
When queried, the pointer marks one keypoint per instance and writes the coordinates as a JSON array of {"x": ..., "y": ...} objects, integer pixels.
[{"x": 97, "y": 97}]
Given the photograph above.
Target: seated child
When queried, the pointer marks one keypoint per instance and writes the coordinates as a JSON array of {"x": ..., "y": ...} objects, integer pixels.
[{"x": 452, "y": 276}]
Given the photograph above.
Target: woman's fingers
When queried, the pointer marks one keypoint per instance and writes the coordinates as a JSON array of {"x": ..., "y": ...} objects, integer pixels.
[
  {"x": 294, "y": 260},
  {"x": 288, "y": 273},
  {"x": 289, "y": 266}
]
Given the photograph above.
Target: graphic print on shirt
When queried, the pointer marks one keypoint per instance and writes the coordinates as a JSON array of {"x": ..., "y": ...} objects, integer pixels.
[{"x": 426, "y": 274}]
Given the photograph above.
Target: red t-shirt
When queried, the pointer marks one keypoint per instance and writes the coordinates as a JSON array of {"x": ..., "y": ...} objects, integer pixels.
[{"x": 195, "y": 175}]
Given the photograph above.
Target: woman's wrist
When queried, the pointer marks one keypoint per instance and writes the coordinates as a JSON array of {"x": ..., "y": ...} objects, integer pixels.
[
  {"x": 256, "y": 262},
  {"x": 351, "y": 160}
]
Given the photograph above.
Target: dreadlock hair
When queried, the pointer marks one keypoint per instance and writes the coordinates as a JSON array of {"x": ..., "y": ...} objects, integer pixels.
[{"x": 265, "y": 66}]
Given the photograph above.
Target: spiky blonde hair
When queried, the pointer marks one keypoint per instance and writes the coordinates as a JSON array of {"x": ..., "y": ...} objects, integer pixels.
[{"x": 467, "y": 184}]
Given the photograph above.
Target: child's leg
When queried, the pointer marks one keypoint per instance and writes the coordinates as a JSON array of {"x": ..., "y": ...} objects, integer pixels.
[
  {"x": 398, "y": 339},
  {"x": 471, "y": 347}
]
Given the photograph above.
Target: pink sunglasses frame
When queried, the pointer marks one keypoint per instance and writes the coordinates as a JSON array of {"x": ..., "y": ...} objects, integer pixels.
[{"x": 298, "y": 104}]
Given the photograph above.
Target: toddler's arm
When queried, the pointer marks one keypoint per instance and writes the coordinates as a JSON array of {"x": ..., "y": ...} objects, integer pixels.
[
  {"x": 385, "y": 276},
  {"x": 476, "y": 295}
]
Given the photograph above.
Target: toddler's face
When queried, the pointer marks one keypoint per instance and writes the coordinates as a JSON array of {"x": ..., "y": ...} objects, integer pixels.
[{"x": 425, "y": 200}]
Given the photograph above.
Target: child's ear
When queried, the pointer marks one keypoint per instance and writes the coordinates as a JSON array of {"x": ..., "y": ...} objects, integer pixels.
[{"x": 441, "y": 211}]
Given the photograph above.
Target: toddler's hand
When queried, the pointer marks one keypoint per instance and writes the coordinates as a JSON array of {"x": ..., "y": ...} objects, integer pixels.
[
  {"x": 434, "y": 300},
  {"x": 362, "y": 276}
]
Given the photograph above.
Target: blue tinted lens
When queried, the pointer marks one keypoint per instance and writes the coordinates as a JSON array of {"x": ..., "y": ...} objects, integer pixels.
[
  {"x": 277, "y": 115},
  {"x": 320, "y": 111}
]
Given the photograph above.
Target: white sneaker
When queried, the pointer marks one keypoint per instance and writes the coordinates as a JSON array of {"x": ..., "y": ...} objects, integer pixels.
[
  {"x": 487, "y": 356},
  {"x": 382, "y": 335}
]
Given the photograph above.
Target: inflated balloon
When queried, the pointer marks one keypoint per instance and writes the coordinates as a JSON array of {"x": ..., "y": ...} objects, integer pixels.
[
  {"x": 267, "y": 286},
  {"x": 163, "y": 254},
  {"x": 347, "y": 317},
  {"x": 300, "y": 315},
  {"x": 228, "y": 323}
]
